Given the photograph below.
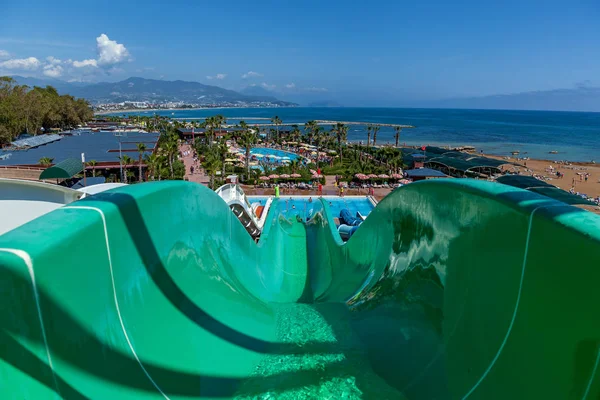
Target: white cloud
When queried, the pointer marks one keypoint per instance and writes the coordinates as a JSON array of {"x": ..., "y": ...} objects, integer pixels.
[
  {"x": 267, "y": 86},
  {"x": 53, "y": 71},
  {"x": 217, "y": 76},
  {"x": 85, "y": 63},
  {"x": 290, "y": 85},
  {"x": 53, "y": 60},
  {"x": 4, "y": 54},
  {"x": 251, "y": 74},
  {"x": 110, "y": 52},
  {"x": 28, "y": 64},
  {"x": 316, "y": 89}
]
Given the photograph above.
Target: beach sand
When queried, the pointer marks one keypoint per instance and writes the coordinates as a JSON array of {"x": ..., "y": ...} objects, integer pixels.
[{"x": 591, "y": 187}]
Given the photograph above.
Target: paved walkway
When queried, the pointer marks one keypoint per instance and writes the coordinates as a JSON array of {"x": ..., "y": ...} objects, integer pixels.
[{"x": 199, "y": 176}]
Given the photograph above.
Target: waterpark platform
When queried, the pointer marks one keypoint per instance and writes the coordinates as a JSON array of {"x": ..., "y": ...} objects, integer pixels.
[{"x": 156, "y": 290}]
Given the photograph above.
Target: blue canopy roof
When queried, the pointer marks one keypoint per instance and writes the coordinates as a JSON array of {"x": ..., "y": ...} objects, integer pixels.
[{"x": 425, "y": 173}]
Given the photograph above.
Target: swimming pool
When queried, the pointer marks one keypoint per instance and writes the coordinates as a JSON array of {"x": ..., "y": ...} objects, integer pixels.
[
  {"x": 300, "y": 205},
  {"x": 264, "y": 151}
]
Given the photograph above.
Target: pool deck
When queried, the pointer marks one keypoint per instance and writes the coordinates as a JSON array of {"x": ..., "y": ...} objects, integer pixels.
[{"x": 328, "y": 190}]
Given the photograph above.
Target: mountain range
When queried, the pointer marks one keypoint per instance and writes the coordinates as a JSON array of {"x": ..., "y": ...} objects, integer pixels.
[
  {"x": 155, "y": 91},
  {"x": 580, "y": 98},
  {"x": 583, "y": 98}
]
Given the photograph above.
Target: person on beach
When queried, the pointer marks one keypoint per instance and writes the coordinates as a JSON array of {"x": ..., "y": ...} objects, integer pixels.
[
  {"x": 341, "y": 191},
  {"x": 310, "y": 199}
]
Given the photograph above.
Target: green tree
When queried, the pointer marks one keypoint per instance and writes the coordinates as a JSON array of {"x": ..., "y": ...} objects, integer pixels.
[
  {"x": 141, "y": 149},
  {"x": 375, "y": 130},
  {"x": 126, "y": 161},
  {"x": 397, "y": 129},
  {"x": 341, "y": 132},
  {"x": 93, "y": 163},
  {"x": 247, "y": 140},
  {"x": 310, "y": 128},
  {"x": 369, "y": 127},
  {"x": 211, "y": 164},
  {"x": 295, "y": 134},
  {"x": 276, "y": 121},
  {"x": 223, "y": 152},
  {"x": 46, "y": 161}
]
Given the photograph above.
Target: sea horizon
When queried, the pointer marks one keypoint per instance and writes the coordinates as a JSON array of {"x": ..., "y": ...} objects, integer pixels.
[{"x": 575, "y": 136}]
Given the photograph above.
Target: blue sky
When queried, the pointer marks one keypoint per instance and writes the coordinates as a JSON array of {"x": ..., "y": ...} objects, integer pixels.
[{"x": 391, "y": 50}]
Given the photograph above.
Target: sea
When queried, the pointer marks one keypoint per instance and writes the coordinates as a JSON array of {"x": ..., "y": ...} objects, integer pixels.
[{"x": 574, "y": 136}]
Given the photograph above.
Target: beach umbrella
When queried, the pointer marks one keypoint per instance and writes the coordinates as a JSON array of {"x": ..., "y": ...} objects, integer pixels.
[
  {"x": 384, "y": 176},
  {"x": 273, "y": 176},
  {"x": 284, "y": 176},
  {"x": 317, "y": 176},
  {"x": 312, "y": 171},
  {"x": 397, "y": 176},
  {"x": 296, "y": 175},
  {"x": 264, "y": 178},
  {"x": 258, "y": 155},
  {"x": 372, "y": 176}
]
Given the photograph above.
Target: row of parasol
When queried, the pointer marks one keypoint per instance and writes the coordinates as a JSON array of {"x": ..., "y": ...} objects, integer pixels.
[
  {"x": 364, "y": 177},
  {"x": 282, "y": 176}
]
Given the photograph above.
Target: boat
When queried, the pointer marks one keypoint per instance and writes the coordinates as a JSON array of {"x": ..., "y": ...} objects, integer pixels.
[
  {"x": 515, "y": 153},
  {"x": 553, "y": 152}
]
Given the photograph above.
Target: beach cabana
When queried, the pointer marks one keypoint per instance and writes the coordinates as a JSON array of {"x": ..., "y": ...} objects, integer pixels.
[
  {"x": 63, "y": 170},
  {"x": 544, "y": 188},
  {"x": 424, "y": 173}
]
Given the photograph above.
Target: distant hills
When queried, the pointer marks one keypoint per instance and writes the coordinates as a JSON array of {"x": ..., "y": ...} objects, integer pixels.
[
  {"x": 577, "y": 99},
  {"x": 155, "y": 91}
]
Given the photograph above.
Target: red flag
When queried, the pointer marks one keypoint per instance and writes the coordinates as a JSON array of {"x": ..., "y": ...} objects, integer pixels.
[{"x": 423, "y": 148}]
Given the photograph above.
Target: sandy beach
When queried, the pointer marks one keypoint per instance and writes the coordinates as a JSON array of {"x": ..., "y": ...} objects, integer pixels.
[{"x": 547, "y": 169}]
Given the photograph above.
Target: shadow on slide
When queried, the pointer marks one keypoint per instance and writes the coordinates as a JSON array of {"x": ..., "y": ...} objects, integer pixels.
[{"x": 449, "y": 289}]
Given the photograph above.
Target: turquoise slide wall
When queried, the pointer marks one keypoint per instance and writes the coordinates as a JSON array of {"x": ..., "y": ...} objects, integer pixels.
[{"x": 451, "y": 289}]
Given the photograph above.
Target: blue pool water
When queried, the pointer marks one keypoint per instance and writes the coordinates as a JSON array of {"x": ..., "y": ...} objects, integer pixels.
[
  {"x": 300, "y": 205},
  {"x": 273, "y": 152}
]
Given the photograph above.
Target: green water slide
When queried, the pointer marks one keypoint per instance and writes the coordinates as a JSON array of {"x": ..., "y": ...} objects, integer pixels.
[{"x": 452, "y": 289}]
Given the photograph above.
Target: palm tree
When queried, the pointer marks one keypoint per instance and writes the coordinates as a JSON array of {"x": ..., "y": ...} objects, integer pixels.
[
  {"x": 309, "y": 128},
  {"x": 319, "y": 136},
  {"x": 211, "y": 164},
  {"x": 294, "y": 165},
  {"x": 171, "y": 147},
  {"x": 141, "y": 149},
  {"x": 295, "y": 134},
  {"x": 341, "y": 132},
  {"x": 93, "y": 163},
  {"x": 209, "y": 129},
  {"x": 397, "y": 129},
  {"x": 248, "y": 139},
  {"x": 126, "y": 160},
  {"x": 275, "y": 120},
  {"x": 154, "y": 162},
  {"x": 223, "y": 151},
  {"x": 375, "y": 130},
  {"x": 369, "y": 135},
  {"x": 46, "y": 161}
]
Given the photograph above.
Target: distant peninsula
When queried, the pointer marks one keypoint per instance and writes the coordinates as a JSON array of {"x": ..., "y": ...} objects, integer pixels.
[{"x": 141, "y": 93}]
